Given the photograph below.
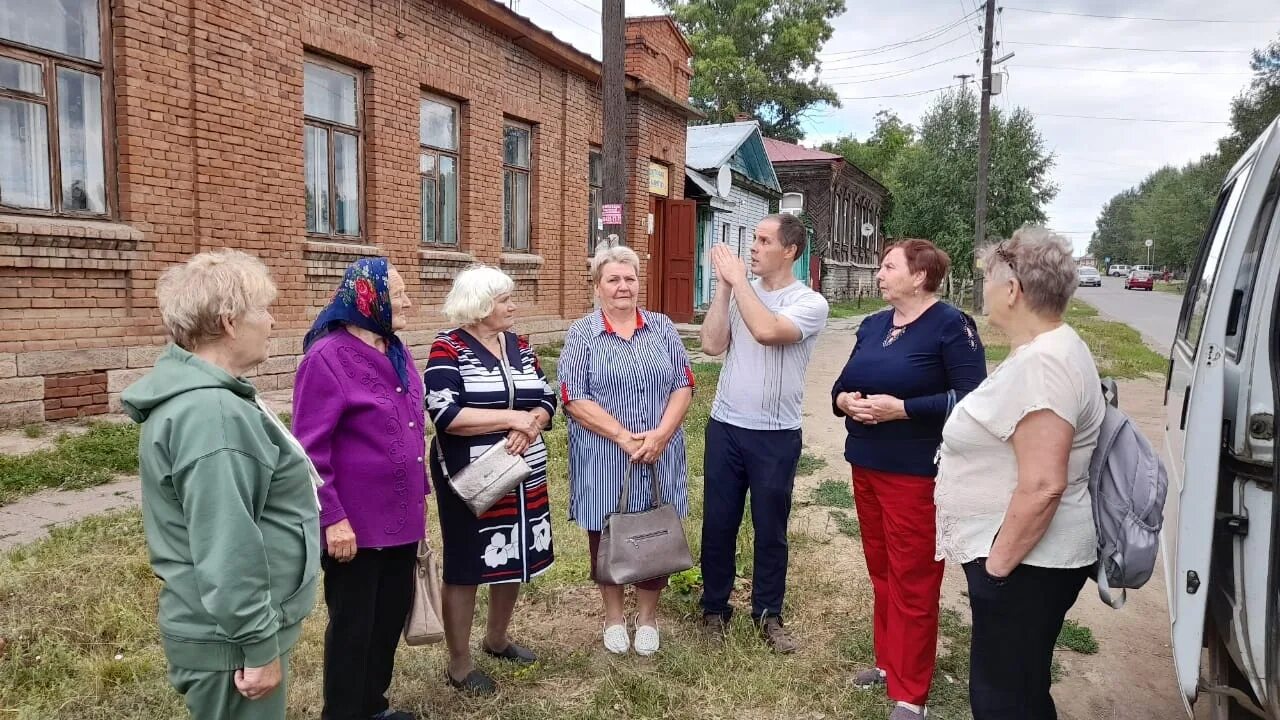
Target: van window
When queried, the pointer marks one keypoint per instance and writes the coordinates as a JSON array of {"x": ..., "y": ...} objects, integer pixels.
[
  {"x": 1196, "y": 305},
  {"x": 1242, "y": 297}
]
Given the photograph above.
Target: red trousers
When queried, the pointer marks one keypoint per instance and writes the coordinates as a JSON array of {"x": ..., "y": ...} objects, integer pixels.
[{"x": 896, "y": 514}]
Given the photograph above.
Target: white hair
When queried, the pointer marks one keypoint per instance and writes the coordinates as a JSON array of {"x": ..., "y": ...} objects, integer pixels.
[
  {"x": 474, "y": 291},
  {"x": 195, "y": 296},
  {"x": 1044, "y": 264},
  {"x": 607, "y": 253}
]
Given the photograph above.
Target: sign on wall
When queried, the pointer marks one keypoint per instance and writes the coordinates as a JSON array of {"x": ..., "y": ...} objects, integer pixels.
[
  {"x": 658, "y": 179},
  {"x": 611, "y": 214}
]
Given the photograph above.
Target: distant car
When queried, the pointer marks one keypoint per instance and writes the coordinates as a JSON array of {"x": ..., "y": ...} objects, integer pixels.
[
  {"x": 1118, "y": 270},
  {"x": 1147, "y": 268},
  {"x": 1089, "y": 277},
  {"x": 1140, "y": 280}
]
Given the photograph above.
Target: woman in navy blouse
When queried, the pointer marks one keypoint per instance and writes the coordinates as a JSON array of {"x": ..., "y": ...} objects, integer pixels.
[
  {"x": 626, "y": 385},
  {"x": 909, "y": 367}
]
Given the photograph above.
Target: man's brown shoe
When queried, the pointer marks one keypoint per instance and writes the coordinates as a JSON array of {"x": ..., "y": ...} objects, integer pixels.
[
  {"x": 714, "y": 626},
  {"x": 776, "y": 637}
]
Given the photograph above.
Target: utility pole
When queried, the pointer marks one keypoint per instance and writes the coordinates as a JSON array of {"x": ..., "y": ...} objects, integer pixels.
[
  {"x": 614, "y": 95},
  {"x": 984, "y": 151}
]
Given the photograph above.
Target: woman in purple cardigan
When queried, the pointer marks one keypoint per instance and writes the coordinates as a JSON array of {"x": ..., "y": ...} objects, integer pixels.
[{"x": 358, "y": 411}]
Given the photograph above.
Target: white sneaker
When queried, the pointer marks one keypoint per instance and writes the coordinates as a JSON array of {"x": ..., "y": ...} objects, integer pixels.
[
  {"x": 616, "y": 640},
  {"x": 647, "y": 640}
]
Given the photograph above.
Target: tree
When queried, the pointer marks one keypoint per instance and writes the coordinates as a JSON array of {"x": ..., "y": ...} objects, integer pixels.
[
  {"x": 1254, "y": 109},
  {"x": 877, "y": 153},
  {"x": 749, "y": 56},
  {"x": 934, "y": 180}
]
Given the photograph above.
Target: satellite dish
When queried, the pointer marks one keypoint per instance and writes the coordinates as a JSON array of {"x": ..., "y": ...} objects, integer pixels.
[{"x": 724, "y": 181}]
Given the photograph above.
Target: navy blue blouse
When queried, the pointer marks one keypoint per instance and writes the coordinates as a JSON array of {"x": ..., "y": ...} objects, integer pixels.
[{"x": 930, "y": 364}]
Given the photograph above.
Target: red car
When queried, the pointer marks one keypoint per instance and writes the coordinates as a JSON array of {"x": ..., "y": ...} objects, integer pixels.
[{"x": 1140, "y": 280}]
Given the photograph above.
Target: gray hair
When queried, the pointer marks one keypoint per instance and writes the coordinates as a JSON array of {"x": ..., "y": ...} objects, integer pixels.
[
  {"x": 607, "y": 253},
  {"x": 197, "y": 295},
  {"x": 474, "y": 291},
  {"x": 1043, "y": 263}
]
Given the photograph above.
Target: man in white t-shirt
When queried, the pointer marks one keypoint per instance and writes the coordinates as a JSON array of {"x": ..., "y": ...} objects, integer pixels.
[{"x": 769, "y": 328}]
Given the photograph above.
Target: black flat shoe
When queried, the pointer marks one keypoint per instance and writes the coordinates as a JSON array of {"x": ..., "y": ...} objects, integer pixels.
[
  {"x": 394, "y": 715},
  {"x": 513, "y": 652},
  {"x": 476, "y": 683}
]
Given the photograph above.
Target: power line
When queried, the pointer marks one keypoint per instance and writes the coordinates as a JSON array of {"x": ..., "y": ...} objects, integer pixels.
[
  {"x": 953, "y": 41},
  {"x": 917, "y": 93},
  {"x": 858, "y": 79},
  {"x": 968, "y": 30},
  {"x": 1130, "y": 49},
  {"x": 1134, "y": 17},
  {"x": 593, "y": 31},
  {"x": 592, "y": 9},
  {"x": 1129, "y": 119},
  {"x": 1120, "y": 70},
  {"x": 923, "y": 37}
]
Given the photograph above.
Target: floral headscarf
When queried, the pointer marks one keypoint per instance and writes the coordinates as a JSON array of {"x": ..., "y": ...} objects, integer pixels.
[{"x": 363, "y": 299}]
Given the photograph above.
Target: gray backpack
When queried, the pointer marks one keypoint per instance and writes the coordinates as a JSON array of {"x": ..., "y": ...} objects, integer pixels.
[{"x": 1127, "y": 483}]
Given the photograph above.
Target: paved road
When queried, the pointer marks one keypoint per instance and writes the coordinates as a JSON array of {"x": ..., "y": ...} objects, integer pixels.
[{"x": 1154, "y": 314}]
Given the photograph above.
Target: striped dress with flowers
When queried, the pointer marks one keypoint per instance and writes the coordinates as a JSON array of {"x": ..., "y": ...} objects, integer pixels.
[{"x": 511, "y": 542}]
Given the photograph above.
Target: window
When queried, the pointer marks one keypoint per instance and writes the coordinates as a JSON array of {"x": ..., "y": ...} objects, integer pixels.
[
  {"x": 331, "y": 105},
  {"x": 792, "y": 203},
  {"x": 516, "y": 163},
  {"x": 595, "y": 212},
  {"x": 53, "y": 107},
  {"x": 438, "y": 165},
  {"x": 1247, "y": 276},
  {"x": 724, "y": 233},
  {"x": 1200, "y": 286}
]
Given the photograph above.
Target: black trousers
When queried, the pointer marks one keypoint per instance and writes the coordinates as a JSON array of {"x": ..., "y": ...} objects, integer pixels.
[
  {"x": 1016, "y": 620},
  {"x": 368, "y": 600},
  {"x": 737, "y": 460}
]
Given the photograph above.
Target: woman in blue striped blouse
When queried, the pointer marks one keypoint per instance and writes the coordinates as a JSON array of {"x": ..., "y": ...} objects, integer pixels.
[{"x": 626, "y": 385}]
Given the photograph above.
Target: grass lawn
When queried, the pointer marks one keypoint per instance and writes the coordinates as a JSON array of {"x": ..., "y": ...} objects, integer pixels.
[
  {"x": 78, "y": 637},
  {"x": 75, "y": 461},
  {"x": 853, "y": 308},
  {"x": 1177, "y": 287},
  {"x": 1117, "y": 348}
]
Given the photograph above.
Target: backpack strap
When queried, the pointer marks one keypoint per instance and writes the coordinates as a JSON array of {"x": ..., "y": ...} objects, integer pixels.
[{"x": 1106, "y": 592}]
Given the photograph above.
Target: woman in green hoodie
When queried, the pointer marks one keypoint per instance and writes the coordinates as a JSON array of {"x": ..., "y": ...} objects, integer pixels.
[{"x": 228, "y": 495}]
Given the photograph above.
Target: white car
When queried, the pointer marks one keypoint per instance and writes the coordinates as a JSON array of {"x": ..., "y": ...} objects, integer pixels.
[
  {"x": 1089, "y": 276},
  {"x": 1118, "y": 270},
  {"x": 1221, "y": 534}
]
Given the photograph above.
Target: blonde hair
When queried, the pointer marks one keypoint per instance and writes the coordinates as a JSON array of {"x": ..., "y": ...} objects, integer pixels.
[
  {"x": 195, "y": 296},
  {"x": 612, "y": 253},
  {"x": 474, "y": 291},
  {"x": 1044, "y": 264}
]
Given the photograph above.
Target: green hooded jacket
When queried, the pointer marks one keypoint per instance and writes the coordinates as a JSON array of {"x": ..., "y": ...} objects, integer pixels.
[{"x": 230, "y": 512}]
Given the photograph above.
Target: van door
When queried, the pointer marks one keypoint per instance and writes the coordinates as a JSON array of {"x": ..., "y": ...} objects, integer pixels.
[{"x": 1193, "y": 439}]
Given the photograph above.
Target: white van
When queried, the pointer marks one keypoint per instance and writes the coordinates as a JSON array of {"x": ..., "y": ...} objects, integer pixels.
[{"x": 1221, "y": 539}]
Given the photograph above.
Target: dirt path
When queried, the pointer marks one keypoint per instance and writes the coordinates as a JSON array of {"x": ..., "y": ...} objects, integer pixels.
[{"x": 1131, "y": 676}]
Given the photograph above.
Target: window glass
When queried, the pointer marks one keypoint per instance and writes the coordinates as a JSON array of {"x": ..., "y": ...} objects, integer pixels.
[
  {"x": 438, "y": 125},
  {"x": 448, "y": 200},
  {"x": 328, "y": 94},
  {"x": 1196, "y": 305},
  {"x": 516, "y": 146},
  {"x": 346, "y": 176},
  {"x": 24, "y": 145},
  {"x": 316, "y": 154},
  {"x": 69, "y": 27},
  {"x": 84, "y": 182},
  {"x": 21, "y": 76}
]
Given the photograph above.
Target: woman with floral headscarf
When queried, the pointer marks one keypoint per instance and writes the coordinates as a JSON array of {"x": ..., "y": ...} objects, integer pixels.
[{"x": 358, "y": 411}]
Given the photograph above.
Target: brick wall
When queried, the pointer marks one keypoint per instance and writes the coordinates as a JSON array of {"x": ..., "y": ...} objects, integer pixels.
[
  {"x": 208, "y": 136},
  {"x": 75, "y": 395}
]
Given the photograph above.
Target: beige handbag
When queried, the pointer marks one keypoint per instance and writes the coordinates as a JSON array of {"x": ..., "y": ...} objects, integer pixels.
[
  {"x": 642, "y": 545},
  {"x": 496, "y": 472},
  {"x": 423, "y": 626}
]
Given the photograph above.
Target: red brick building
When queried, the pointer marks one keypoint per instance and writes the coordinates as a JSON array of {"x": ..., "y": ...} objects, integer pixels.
[{"x": 134, "y": 133}]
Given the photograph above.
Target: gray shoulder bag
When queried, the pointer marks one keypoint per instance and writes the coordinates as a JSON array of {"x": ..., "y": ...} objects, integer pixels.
[
  {"x": 496, "y": 472},
  {"x": 638, "y": 546}
]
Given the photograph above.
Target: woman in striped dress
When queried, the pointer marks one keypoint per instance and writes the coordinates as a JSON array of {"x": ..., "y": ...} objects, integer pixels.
[
  {"x": 626, "y": 385},
  {"x": 472, "y": 370}
]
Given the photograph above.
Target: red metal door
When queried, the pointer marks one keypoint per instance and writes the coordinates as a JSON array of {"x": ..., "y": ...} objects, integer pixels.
[{"x": 679, "y": 246}]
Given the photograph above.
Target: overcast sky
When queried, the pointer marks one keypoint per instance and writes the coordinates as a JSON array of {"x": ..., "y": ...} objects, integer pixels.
[{"x": 1095, "y": 158}]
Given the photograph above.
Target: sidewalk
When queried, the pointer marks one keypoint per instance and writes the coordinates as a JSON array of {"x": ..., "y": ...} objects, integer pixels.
[{"x": 31, "y": 518}]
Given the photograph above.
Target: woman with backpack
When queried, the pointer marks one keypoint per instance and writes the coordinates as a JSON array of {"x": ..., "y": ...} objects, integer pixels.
[{"x": 1013, "y": 479}]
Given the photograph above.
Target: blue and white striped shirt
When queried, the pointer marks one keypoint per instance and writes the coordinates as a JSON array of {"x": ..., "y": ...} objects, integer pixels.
[{"x": 632, "y": 380}]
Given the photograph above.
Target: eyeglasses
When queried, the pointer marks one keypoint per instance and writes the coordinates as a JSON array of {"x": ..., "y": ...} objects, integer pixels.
[{"x": 1008, "y": 258}]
